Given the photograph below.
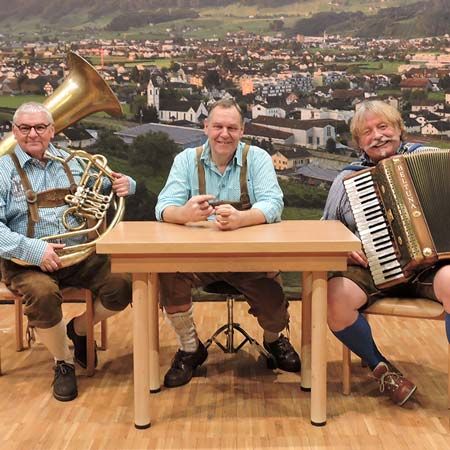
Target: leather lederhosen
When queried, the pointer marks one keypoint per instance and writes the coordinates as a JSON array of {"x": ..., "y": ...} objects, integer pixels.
[
  {"x": 51, "y": 198},
  {"x": 244, "y": 202}
]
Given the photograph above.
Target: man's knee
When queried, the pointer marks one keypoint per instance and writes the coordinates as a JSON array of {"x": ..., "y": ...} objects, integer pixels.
[
  {"x": 116, "y": 294},
  {"x": 42, "y": 304},
  {"x": 344, "y": 298}
]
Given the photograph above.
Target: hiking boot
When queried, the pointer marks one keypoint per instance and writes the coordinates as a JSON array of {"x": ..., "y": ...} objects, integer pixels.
[
  {"x": 64, "y": 382},
  {"x": 80, "y": 346},
  {"x": 183, "y": 366},
  {"x": 285, "y": 356},
  {"x": 393, "y": 384}
]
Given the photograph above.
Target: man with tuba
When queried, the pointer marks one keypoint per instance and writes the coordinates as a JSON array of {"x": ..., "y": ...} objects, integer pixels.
[{"x": 33, "y": 186}]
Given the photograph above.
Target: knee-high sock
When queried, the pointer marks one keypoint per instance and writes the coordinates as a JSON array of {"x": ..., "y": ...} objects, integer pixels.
[
  {"x": 184, "y": 327},
  {"x": 358, "y": 338},
  {"x": 100, "y": 313},
  {"x": 55, "y": 339},
  {"x": 447, "y": 326}
]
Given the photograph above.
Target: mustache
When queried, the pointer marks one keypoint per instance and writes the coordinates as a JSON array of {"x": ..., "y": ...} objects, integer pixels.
[{"x": 379, "y": 142}]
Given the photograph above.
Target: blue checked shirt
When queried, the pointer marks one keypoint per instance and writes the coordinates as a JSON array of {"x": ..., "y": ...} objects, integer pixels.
[
  {"x": 264, "y": 191},
  {"x": 14, "y": 209}
]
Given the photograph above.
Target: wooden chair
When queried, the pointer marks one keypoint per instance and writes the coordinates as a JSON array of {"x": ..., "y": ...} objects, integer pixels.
[
  {"x": 399, "y": 307},
  {"x": 71, "y": 295}
]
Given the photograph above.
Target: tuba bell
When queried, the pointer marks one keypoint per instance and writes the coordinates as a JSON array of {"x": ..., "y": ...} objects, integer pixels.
[{"x": 83, "y": 92}]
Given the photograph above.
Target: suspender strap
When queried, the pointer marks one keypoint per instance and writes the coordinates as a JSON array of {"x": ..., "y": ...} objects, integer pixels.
[
  {"x": 245, "y": 198},
  {"x": 201, "y": 172},
  {"x": 33, "y": 212}
]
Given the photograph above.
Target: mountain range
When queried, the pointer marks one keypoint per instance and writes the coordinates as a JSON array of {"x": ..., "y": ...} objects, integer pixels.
[{"x": 366, "y": 18}]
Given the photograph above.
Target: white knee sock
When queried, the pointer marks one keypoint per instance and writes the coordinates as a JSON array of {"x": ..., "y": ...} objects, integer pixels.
[
  {"x": 55, "y": 339},
  {"x": 183, "y": 324},
  {"x": 100, "y": 313}
]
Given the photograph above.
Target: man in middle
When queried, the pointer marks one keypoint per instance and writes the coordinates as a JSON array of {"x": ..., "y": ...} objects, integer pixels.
[{"x": 233, "y": 185}]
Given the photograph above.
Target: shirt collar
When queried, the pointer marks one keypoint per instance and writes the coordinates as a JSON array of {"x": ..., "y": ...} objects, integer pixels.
[
  {"x": 236, "y": 160},
  {"x": 24, "y": 157}
]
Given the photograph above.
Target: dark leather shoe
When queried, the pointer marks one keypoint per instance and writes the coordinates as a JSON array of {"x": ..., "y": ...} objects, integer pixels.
[
  {"x": 286, "y": 357},
  {"x": 80, "y": 346},
  {"x": 183, "y": 366},
  {"x": 393, "y": 384},
  {"x": 65, "y": 382}
]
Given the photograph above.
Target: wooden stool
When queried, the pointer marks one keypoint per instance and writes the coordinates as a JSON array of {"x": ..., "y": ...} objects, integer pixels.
[{"x": 71, "y": 295}]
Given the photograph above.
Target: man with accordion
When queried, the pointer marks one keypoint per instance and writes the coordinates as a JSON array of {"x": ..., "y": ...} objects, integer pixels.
[{"x": 377, "y": 128}]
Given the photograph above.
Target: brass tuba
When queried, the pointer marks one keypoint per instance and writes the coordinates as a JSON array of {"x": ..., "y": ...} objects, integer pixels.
[{"x": 83, "y": 92}]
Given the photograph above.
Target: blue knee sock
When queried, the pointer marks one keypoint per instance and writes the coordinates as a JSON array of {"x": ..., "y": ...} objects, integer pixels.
[
  {"x": 447, "y": 326},
  {"x": 358, "y": 338}
]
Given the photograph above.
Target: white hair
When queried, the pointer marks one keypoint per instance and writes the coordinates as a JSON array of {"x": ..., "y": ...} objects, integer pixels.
[{"x": 33, "y": 107}]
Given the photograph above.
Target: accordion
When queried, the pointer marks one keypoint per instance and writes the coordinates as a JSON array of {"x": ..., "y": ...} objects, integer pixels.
[{"x": 402, "y": 212}]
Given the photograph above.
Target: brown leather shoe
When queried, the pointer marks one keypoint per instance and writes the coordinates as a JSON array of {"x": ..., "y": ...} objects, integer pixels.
[{"x": 393, "y": 384}]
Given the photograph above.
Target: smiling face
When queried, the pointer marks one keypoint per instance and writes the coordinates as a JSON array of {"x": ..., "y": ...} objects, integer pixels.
[
  {"x": 32, "y": 142},
  {"x": 379, "y": 138},
  {"x": 224, "y": 129}
]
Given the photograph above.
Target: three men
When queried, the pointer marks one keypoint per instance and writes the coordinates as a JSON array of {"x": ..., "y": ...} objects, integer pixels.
[
  {"x": 377, "y": 129},
  {"x": 32, "y": 191},
  {"x": 233, "y": 185}
]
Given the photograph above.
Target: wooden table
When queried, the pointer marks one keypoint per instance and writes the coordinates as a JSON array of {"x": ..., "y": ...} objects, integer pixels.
[{"x": 148, "y": 248}]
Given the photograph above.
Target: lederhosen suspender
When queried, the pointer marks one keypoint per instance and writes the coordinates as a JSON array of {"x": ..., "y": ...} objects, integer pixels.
[
  {"x": 244, "y": 202},
  {"x": 51, "y": 198}
]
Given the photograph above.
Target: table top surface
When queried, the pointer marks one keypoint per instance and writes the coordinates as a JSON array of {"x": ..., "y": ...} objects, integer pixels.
[{"x": 290, "y": 236}]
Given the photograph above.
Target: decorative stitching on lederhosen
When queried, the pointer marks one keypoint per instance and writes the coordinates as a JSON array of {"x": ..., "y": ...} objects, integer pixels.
[
  {"x": 244, "y": 202},
  {"x": 51, "y": 198}
]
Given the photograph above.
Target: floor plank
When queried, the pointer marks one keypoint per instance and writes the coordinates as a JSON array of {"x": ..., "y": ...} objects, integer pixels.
[{"x": 235, "y": 402}]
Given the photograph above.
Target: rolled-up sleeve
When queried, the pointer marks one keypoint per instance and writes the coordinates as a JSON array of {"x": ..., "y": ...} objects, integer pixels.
[
  {"x": 264, "y": 188},
  {"x": 176, "y": 191}
]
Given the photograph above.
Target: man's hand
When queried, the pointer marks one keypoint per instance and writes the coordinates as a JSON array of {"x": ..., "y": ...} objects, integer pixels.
[
  {"x": 228, "y": 217},
  {"x": 357, "y": 258},
  {"x": 51, "y": 261},
  {"x": 121, "y": 184},
  {"x": 197, "y": 208}
]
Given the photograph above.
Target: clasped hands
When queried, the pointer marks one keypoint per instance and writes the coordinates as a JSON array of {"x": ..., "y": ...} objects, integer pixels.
[{"x": 199, "y": 208}]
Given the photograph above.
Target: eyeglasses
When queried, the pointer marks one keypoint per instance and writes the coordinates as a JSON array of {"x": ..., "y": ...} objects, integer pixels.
[{"x": 39, "y": 128}]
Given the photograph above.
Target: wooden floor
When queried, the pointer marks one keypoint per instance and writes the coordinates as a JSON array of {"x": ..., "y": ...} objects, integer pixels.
[{"x": 235, "y": 404}]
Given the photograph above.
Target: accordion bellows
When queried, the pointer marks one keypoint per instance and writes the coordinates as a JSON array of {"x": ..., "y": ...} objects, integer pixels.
[{"x": 402, "y": 213}]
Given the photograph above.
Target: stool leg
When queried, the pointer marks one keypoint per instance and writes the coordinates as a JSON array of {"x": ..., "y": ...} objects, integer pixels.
[
  {"x": 90, "y": 334},
  {"x": 230, "y": 327},
  {"x": 103, "y": 335},
  {"x": 18, "y": 310},
  {"x": 346, "y": 369}
]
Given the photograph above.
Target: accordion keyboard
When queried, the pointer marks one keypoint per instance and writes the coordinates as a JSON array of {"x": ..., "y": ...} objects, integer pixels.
[{"x": 373, "y": 228}]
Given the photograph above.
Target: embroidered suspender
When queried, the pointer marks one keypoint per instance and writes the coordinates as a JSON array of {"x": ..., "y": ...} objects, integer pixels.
[
  {"x": 51, "y": 198},
  {"x": 244, "y": 202}
]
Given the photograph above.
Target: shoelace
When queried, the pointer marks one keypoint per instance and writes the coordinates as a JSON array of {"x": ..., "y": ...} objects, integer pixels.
[
  {"x": 389, "y": 378},
  {"x": 62, "y": 369}
]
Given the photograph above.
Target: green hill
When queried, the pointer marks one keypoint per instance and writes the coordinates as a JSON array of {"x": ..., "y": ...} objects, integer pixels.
[{"x": 74, "y": 19}]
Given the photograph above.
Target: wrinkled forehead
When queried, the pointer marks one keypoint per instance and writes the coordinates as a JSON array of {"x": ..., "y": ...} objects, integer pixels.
[{"x": 228, "y": 115}]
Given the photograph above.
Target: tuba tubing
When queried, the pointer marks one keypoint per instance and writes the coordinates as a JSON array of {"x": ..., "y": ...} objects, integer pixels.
[{"x": 83, "y": 92}]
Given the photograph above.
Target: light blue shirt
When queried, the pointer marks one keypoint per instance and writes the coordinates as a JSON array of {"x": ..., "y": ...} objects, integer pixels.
[
  {"x": 14, "y": 209},
  {"x": 263, "y": 189}
]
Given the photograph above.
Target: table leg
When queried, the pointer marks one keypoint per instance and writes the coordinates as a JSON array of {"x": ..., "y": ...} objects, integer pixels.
[
  {"x": 319, "y": 349},
  {"x": 153, "y": 333},
  {"x": 140, "y": 351},
  {"x": 306, "y": 331}
]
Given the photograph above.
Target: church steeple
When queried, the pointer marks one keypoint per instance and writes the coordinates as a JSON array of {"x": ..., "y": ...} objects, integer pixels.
[{"x": 153, "y": 95}]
